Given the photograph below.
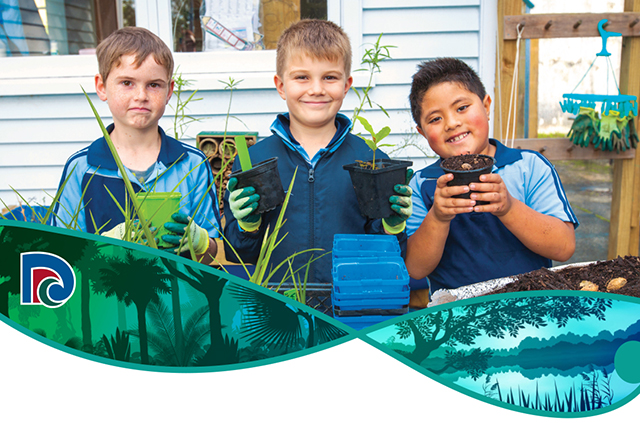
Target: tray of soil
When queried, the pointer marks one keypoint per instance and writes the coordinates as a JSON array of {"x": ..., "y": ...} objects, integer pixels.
[
  {"x": 618, "y": 276},
  {"x": 466, "y": 169},
  {"x": 265, "y": 178},
  {"x": 374, "y": 186}
]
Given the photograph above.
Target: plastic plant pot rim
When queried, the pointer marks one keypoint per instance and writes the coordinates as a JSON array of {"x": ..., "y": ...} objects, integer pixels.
[
  {"x": 153, "y": 195},
  {"x": 493, "y": 162},
  {"x": 257, "y": 169},
  {"x": 390, "y": 165}
]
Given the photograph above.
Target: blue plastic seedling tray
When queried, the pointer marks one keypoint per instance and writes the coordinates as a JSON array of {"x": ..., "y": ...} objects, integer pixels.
[
  {"x": 351, "y": 245},
  {"x": 378, "y": 303},
  {"x": 371, "y": 294},
  {"x": 361, "y": 322},
  {"x": 370, "y": 274}
]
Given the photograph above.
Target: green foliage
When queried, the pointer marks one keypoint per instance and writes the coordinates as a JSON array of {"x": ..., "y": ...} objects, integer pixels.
[
  {"x": 376, "y": 138},
  {"x": 594, "y": 393},
  {"x": 372, "y": 58},
  {"x": 181, "y": 119},
  {"x": 231, "y": 85},
  {"x": 118, "y": 348},
  {"x": 461, "y": 325}
]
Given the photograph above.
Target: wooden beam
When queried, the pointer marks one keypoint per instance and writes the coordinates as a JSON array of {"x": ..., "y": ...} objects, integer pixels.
[
  {"x": 505, "y": 69},
  {"x": 624, "y": 230},
  {"x": 564, "y": 149},
  {"x": 567, "y": 25}
]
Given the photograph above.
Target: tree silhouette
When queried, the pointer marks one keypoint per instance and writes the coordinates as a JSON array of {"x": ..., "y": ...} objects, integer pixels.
[
  {"x": 139, "y": 281},
  {"x": 89, "y": 265},
  {"x": 211, "y": 286},
  {"x": 272, "y": 322},
  {"x": 463, "y": 324},
  {"x": 170, "y": 350}
]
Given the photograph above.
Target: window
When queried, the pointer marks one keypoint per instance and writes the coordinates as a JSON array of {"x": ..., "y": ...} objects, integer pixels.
[
  {"x": 49, "y": 27},
  {"x": 42, "y": 27},
  {"x": 237, "y": 24}
]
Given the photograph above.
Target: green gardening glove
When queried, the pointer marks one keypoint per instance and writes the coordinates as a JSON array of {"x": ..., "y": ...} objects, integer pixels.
[
  {"x": 621, "y": 143},
  {"x": 184, "y": 231},
  {"x": 585, "y": 127},
  {"x": 402, "y": 206},
  {"x": 243, "y": 202},
  {"x": 608, "y": 129}
]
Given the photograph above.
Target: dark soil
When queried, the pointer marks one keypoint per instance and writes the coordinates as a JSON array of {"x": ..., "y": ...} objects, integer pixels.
[
  {"x": 467, "y": 162},
  {"x": 599, "y": 273}
]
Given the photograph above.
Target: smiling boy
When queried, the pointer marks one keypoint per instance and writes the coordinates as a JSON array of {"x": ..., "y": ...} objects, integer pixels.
[
  {"x": 528, "y": 221},
  {"x": 135, "y": 79},
  {"x": 313, "y": 77}
]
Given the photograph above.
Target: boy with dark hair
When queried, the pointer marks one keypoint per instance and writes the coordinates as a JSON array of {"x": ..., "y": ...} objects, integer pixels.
[
  {"x": 528, "y": 220},
  {"x": 313, "y": 77},
  {"x": 135, "y": 79}
]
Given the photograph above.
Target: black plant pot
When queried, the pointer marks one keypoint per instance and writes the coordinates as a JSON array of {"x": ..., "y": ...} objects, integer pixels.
[
  {"x": 265, "y": 178},
  {"x": 374, "y": 186},
  {"x": 465, "y": 177}
]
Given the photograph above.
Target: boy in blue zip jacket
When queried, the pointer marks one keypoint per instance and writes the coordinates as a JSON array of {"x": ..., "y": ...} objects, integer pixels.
[
  {"x": 135, "y": 78},
  {"x": 313, "y": 77}
]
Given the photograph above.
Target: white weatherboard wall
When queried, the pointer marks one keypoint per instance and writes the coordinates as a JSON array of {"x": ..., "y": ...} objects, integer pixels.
[{"x": 44, "y": 116}]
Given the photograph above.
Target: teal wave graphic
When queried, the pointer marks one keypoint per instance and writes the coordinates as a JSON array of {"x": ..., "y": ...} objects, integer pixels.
[{"x": 562, "y": 354}]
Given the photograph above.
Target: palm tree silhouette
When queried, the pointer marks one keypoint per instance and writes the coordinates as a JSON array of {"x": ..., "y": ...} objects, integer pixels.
[
  {"x": 169, "y": 349},
  {"x": 272, "y": 322},
  {"x": 136, "y": 280}
]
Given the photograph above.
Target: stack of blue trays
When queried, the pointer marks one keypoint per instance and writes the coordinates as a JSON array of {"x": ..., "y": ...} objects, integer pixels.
[{"x": 370, "y": 279}]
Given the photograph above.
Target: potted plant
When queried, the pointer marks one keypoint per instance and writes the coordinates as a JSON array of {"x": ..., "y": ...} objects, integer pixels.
[
  {"x": 264, "y": 177},
  {"x": 374, "y": 181},
  {"x": 466, "y": 169}
]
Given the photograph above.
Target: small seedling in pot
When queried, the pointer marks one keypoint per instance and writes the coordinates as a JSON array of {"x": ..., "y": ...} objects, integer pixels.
[{"x": 374, "y": 142}]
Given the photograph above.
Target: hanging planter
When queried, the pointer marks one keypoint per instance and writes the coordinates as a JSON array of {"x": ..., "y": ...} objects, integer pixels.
[{"x": 602, "y": 120}]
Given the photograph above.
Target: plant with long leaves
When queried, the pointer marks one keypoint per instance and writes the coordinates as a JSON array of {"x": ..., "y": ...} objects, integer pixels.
[{"x": 181, "y": 118}]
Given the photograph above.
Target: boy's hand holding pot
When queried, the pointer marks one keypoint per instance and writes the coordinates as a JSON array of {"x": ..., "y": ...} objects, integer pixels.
[{"x": 243, "y": 202}]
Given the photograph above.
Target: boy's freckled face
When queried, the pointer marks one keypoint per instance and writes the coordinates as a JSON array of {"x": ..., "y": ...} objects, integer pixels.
[
  {"x": 455, "y": 121},
  {"x": 313, "y": 89},
  {"x": 137, "y": 97}
]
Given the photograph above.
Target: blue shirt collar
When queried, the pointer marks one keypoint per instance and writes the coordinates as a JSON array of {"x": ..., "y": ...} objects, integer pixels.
[
  {"x": 503, "y": 156},
  {"x": 99, "y": 154},
  {"x": 281, "y": 127}
]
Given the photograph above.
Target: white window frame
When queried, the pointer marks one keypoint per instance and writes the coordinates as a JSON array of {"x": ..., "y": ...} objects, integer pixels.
[{"x": 37, "y": 75}]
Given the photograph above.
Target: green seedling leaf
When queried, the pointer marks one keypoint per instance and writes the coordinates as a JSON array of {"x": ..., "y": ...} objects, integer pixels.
[
  {"x": 243, "y": 153},
  {"x": 382, "y": 134}
]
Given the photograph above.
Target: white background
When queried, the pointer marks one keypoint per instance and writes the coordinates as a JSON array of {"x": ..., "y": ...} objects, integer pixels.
[{"x": 352, "y": 382}]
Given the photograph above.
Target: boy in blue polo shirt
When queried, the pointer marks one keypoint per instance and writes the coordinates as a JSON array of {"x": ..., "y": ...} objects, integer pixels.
[
  {"x": 528, "y": 221},
  {"x": 135, "y": 79}
]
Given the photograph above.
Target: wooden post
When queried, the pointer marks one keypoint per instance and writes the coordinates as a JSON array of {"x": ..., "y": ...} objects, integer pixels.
[
  {"x": 533, "y": 89},
  {"x": 505, "y": 68},
  {"x": 624, "y": 228}
]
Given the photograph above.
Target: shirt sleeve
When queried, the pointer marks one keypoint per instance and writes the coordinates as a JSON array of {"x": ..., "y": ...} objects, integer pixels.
[
  {"x": 203, "y": 207},
  {"x": 536, "y": 183},
  {"x": 420, "y": 206},
  {"x": 68, "y": 210}
]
